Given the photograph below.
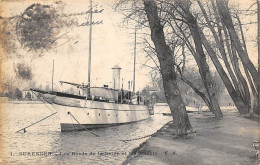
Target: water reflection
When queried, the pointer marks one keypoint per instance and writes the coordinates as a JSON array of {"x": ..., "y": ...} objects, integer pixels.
[{"x": 67, "y": 147}]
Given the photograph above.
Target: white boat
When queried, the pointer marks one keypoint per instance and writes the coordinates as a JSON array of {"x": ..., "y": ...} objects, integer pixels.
[
  {"x": 94, "y": 107},
  {"x": 103, "y": 107}
]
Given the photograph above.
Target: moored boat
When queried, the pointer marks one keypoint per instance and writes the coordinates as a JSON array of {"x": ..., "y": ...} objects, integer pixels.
[
  {"x": 101, "y": 107},
  {"x": 94, "y": 107}
]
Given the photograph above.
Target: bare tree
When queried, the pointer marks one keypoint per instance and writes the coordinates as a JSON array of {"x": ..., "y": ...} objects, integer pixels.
[
  {"x": 200, "y": 56},
  {"x": 239, "y": 94},
  {"x": 175, "y": 30},
  {"x": 211, "y": 32},
  {"x": 180, "y": 118}
]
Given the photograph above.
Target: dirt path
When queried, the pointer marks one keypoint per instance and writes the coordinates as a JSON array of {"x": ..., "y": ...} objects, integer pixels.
[{"x": 228, "y": 141}]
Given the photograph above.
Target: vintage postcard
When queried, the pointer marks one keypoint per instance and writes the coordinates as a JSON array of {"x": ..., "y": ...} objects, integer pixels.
[{"x": 129, "y": 82}]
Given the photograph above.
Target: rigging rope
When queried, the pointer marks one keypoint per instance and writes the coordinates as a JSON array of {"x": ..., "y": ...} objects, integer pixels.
[
  {"x": 34, "y": 123},
  {"x": 177, "y": 135},
  {"x": 137, "y": 138},
  {"x": 42, "y": 101},
  {"x": 24, "y": 129},
  {"x": 81, "y": 124},
  {"x": 85, "y": 102},
  {"x": 91, "y": 104}
]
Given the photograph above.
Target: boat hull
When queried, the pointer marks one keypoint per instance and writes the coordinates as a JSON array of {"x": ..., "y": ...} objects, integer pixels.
[
  {"x": 79, "y": 114},
  {"x": 82, "y": 127}
]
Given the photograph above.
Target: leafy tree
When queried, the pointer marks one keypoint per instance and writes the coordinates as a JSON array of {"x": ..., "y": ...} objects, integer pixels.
[{"x": 17, "y": 94}]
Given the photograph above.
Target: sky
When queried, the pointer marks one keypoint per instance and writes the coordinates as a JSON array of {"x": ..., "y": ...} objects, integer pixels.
[{"x": 112, "y": 44}]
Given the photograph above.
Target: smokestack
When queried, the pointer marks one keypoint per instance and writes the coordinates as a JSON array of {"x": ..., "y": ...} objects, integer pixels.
[{"x": 116, "y": 77}]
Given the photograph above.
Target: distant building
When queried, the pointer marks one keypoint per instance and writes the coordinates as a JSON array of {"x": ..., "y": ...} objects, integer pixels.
[{"x": 28, "y": 94}]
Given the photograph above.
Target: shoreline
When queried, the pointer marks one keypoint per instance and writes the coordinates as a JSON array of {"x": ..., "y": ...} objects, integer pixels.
[
  {"x": 226, "y": 141},
  {"x": 22, "y": 102}
]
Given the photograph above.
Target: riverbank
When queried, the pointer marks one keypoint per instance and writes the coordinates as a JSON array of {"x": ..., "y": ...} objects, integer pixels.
[
  {"x": 226, "y": 141},
  {"x": 22, "y": 102}
]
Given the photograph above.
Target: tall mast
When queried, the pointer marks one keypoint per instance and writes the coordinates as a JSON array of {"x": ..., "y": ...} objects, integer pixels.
[
  {"x": 258, "y": 40},
  {"x": 89, "y": 53},
  {"x": 52, "y": 75},
  {"x": 134, "y": 62}
]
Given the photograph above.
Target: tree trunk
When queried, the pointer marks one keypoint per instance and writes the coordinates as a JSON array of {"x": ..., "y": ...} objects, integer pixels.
[
  {"x": 245, "y": 92},
  {"x": 196, "y": 90},
  {"x": 178, "y": 110},
  {"x": 202, "y": 63},
  {"x": 227, "y": 20},
  {"x": 245, "y": 97},
  {"x": 228, "y": 45},
  {"x": 220, "y": 41},
  {"x": 257, "y": 110},
  {"x": 204, "y": 96},
  {"x": 236, "y": 97},
  {"x": 245, "y": 68},
  {"x": 254, "y": 99},
  {"x": 247, "y": 64}
]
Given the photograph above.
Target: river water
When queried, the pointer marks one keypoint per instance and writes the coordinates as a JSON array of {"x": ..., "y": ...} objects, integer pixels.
[{"x": 43, "y": 143}]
